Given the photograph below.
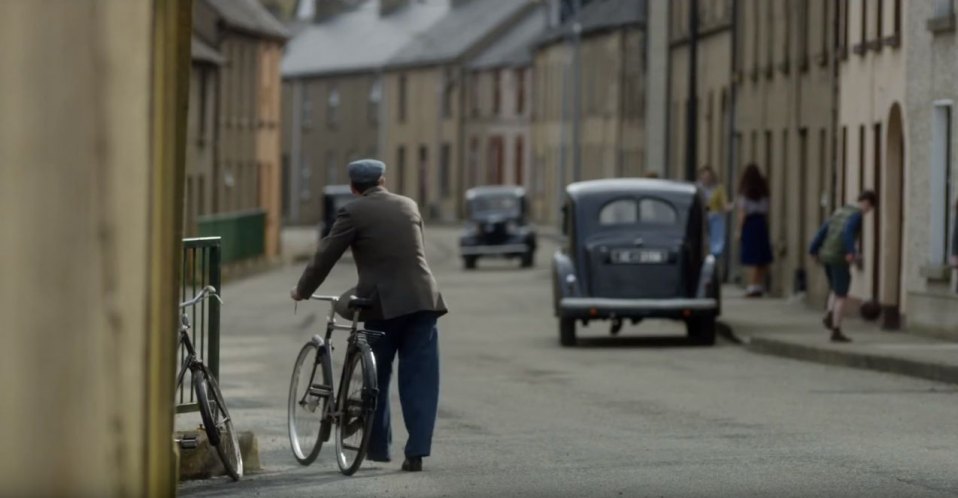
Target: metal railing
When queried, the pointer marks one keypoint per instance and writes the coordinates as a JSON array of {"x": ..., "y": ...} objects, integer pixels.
[{"x": 200, "y": 267}]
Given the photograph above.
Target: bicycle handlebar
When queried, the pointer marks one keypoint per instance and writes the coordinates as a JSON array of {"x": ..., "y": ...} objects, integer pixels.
[{"x": 209, "y": 290}]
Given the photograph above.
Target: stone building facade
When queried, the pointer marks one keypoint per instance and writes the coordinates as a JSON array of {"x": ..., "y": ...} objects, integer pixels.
[
  {"x": 872, "y": 131},
  {"x": 498, "y": 112},
  {"x": 929, "y": 298},
  {"x": 424, "y": 102},
  {"x": 785, "y": 112},
  {"x": 609, "y": 89}
]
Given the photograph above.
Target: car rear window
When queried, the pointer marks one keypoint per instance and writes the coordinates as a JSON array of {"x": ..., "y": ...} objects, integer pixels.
[{"x": 630, "y": 211}]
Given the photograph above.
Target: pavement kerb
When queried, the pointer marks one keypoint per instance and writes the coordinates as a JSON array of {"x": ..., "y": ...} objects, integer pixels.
[{"x": 865, "y": 361}]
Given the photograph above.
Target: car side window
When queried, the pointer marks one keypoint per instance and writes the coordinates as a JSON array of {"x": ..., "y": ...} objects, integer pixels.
[
  {"x": 657, "y": 212},
  {"x": 619, "y": 212}
]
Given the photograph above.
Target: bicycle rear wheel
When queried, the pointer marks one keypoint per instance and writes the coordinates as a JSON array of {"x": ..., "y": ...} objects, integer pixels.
[
  {"x": 357, "y": 404},
  {"x": 217, "y": 421},
  {"x": 310, "y": 391}
]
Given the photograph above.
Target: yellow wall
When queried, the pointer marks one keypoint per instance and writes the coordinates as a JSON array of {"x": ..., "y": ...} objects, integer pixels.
[{"x": 91, "y": 220}]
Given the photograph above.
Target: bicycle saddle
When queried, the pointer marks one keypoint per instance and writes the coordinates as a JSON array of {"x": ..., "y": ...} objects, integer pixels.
[{"x": 359, "y": 303}]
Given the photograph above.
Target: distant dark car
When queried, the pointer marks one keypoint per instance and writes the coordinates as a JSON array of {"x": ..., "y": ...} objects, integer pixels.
[
  {"x": 334, "y": 198},
  {"x": 636, "y": 248},
  {"x": 497, "y": 226}
]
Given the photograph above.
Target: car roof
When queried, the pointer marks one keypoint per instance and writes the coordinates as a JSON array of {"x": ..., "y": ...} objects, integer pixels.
[
  {"x": 337, "y": 190},
  {"x": 603, "y": 188},
  {"x": 495, "y": 189}
]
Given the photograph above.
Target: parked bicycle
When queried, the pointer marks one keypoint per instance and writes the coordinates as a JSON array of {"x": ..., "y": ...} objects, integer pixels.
[
  {"x": 216, "y": 418},
  {"x": 314, "y": 403}
]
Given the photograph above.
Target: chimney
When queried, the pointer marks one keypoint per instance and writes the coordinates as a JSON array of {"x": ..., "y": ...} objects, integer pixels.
[
  {"x": 387, "y": 7},
  {"x": 324, "y": 9}
]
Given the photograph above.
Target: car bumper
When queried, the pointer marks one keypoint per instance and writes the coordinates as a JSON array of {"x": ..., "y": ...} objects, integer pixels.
[
  {"x": 488, "y": 250},
  {"x": 598, "y": 308}
]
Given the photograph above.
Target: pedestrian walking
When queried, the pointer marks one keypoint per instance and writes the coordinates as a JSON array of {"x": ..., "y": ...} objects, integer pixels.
[
  {"x": 717, "y": 206},
  {"x": 385, "y": 233},
  {"x": 835, "y": 247},
  {"x": 753, "y": 233}
]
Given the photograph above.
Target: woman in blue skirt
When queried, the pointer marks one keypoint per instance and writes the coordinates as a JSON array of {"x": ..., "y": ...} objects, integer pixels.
[{"x": 753, "y": 229}]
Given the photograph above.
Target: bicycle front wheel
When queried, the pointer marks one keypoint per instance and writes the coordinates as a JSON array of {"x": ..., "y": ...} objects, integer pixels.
[
  {"x": 357, "y": 405},
  {"x": 310, "y": 392},
  {"x": 219, "y": 425}
]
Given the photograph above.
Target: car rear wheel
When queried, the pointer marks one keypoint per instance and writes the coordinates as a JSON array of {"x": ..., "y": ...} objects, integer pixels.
[
  {"x": 469, "y": 262},
  {"x": 567, "y": 332},
  {"x": 701, "y": 330}
]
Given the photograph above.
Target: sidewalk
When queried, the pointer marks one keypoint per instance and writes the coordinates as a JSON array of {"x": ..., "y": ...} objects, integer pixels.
[{"x": 790, "y": 329}]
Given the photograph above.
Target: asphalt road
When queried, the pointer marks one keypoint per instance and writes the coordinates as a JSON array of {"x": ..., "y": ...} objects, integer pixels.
[{"x": 639, "y": 415}]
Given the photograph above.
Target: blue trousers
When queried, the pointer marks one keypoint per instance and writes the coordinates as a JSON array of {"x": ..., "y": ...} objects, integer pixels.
[{"x": 416, "y": 339}]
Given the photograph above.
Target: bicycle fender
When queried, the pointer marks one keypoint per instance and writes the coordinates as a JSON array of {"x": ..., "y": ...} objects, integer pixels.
[{"x": 370, "y": 394}]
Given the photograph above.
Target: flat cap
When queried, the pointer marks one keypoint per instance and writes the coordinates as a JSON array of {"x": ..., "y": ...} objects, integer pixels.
[{"x": 366, "y": 171}]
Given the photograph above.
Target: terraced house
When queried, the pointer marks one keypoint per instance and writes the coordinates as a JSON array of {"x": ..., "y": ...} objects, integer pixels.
[
  {"x": 424, "y": 88},
  {"x": 233, "y": 169},
  {"x": 333, "y": 96},
  {"x": 588, "y": 123}
]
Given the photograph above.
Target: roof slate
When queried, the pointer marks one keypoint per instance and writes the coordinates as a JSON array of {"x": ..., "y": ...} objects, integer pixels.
[
  {"x": 600, "y": 15},
  {"x": 514, "y": 48},
  {"x": 358, "y": 39},
  {"x": 464, "y": 25},
  {"x": 249, "y": 15}
]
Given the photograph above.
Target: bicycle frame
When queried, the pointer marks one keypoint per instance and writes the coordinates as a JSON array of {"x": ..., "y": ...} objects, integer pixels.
[
  {"x": 186, "y": 342},
  {"x": 357, "y": 339}
]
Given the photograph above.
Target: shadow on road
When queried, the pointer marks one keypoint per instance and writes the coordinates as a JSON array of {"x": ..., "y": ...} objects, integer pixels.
[
  {"x": 652, "y": 342},
  {"x": 273, "y": 483}
]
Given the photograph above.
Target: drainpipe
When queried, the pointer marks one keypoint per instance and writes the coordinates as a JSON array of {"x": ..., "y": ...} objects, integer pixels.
[
  {"x": 731, "y": 154},
  {"x": 691, "y": 126},
  {"x": 576, "y": 94},
  {"x": 296, "y": 168}
]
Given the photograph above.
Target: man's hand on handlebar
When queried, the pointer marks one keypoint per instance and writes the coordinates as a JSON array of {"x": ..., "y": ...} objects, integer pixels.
[{"x": 294, "y": 294}]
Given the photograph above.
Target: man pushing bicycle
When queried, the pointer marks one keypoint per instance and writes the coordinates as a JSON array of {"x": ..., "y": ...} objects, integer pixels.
[{"x": 385, "y": 233}]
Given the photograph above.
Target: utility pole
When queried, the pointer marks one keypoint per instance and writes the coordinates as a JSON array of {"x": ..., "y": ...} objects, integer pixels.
[{"x": 691, "y": 123}]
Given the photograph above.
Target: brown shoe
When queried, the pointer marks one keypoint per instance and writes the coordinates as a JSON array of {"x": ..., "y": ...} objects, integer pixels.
[{"x": 838, "y": 336}]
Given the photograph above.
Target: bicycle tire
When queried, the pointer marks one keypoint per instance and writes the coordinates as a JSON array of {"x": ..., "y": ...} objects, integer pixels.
[
  {"x": 355, "y": 414},
  {"x": 201, "y": 388},
  {"x": 228, "y": 447},
  {"x": 301, "y": 436}
]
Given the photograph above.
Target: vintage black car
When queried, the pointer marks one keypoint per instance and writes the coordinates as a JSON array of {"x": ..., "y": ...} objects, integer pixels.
[
  {"x": 635, "y": 249},
  {"x": 334, "y": 198},
  {"x": 497, "y": 226}
]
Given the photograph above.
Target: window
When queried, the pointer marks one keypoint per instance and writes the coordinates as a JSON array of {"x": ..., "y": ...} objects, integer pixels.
[
  {"x": 332, "y": 169},
  {"x": 879, "y": 18},
  {"x": 423, "y": 172},
  {"x": 447, "y": 87},
  {"x": 474, "y": 94},
  {"x": 629, "y": 211},
  {"x": 657, "y": 212},
  {"x": 496, "y": 91},
  {"x": 864, "y": 23},
  {"x": 332, "y": 107},
  {"x": 861, "y": 159},
  {"x": 307, "y": 116},
  {"x": 940, "y": 180},
  {"x": 402, "y": 98},
  {"x": 944, "y": 8},
  {"x": 520, "y": 156},
  {"x": 897, "y": 19},
  {"x": 445, "y": 180},
  {"x": 520, "y": 76},
  {"x": 620, "y": 212},
  {"x": 823, "y": 26},
  {"x": 803, "y": 34},
  {"x": 374, "y": 100}
]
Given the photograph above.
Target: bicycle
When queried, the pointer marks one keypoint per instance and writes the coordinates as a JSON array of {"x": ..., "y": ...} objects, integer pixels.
[
  {"x": 216, "y": 418},
  {"x": 314, "y": 403}
]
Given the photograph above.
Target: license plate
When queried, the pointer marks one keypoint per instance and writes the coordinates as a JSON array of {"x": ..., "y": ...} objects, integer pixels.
[{"x": 638, "y": 257}]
